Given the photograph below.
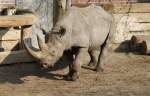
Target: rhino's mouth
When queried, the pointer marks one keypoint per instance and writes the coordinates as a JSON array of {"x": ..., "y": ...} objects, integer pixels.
[{"x": 44, "y": 65}]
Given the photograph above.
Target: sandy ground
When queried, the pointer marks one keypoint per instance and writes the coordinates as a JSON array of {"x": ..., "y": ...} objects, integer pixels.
[{"x": 124, "y": 75}]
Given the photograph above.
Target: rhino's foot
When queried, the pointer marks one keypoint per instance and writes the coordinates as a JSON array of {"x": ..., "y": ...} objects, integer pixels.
[
  {"x": 91, "y": 64},
  {"x": 72, "y": 76},
  {"x": 99, "y": 69},
  {"x": 88, "y": 67}
]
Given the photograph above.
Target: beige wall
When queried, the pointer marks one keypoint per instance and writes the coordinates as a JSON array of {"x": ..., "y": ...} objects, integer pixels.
[{"x": 133, "y": 20}]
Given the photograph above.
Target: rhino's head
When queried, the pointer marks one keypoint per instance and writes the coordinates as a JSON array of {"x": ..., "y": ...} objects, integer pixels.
[{"x": 51, "y": 51}]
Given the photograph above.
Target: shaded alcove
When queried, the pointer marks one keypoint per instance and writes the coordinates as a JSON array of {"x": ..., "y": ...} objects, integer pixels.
[{"x": 144, "y": 1}]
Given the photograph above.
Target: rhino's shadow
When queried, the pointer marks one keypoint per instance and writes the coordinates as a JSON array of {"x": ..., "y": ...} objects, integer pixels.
[
  {"x": 17, "y": 73},
  {"x": 127, "y": 47},
  {"x": 124, "y": 47}
]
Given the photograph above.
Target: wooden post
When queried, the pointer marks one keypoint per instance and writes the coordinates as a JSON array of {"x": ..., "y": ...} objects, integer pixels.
[
  {"x": 17, "y": 20},
  {"x": 64, "y": 6}
]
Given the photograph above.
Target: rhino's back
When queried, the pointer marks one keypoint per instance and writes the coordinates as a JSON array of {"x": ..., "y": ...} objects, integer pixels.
[{"x": 89, "y": 26}]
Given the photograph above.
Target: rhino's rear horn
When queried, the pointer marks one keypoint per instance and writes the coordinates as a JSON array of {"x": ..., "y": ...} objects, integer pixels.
[{"x": 42, "y": 44}]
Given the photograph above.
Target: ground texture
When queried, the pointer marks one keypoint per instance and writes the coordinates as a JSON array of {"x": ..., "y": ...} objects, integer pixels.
[{"x": 125, "y": 75}]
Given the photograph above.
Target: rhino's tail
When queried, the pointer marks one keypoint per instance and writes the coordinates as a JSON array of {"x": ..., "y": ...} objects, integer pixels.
[
  {"x": 110, "y": 37},
  {"x": 105, "y": 47}
]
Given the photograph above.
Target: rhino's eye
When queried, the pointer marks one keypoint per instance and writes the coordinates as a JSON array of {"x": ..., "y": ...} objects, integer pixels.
[{"x": 53, "y": 52}]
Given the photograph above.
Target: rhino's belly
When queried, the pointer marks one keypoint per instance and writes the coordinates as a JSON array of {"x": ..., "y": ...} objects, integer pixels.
[
  {"x": 95, "y": 46},
  {"x": 97, "y": 41}
]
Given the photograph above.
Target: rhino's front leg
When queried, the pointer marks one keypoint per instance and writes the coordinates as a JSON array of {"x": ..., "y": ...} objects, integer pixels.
[{"x": 78, "y": 61}]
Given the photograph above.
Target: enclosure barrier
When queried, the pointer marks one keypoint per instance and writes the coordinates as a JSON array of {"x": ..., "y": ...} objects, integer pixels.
[{"x": 10, "y": 57}]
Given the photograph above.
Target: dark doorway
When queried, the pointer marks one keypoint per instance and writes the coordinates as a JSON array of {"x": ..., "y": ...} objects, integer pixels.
[{"x": 144, "y": 1}]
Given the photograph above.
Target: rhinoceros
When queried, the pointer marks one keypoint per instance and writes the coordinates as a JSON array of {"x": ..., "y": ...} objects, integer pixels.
[{"x": 81, "y": 29}]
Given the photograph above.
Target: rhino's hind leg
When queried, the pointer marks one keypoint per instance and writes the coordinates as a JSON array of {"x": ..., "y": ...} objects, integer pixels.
[
  {"x": 102, "y": 58},
  {"x": 94, "y": 54},
  {"x": 94, "y": 58},
  {"x": 74, "y": 69}
]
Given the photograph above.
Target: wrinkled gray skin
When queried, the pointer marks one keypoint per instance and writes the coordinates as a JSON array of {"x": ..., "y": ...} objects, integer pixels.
[{"x": 83, "y": 29}]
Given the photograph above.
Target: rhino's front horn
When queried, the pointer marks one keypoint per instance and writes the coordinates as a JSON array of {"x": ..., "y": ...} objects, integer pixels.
[{"x": 35, "y": 54}]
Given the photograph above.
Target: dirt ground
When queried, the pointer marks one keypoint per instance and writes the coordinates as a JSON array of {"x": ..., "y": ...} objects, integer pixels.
[{"x": 125, "y": 74}]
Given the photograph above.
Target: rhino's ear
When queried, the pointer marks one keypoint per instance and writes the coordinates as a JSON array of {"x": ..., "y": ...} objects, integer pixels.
[{"x": 62, "y": 31}]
